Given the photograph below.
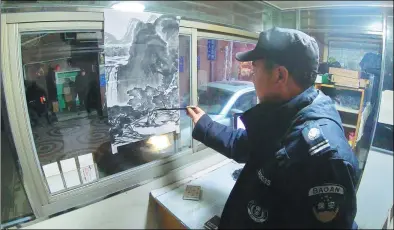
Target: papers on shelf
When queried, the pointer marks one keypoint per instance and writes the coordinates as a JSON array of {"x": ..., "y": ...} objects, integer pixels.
[
  {"x": 53, "y": 177},
  {"x": 70, "y": 172}
]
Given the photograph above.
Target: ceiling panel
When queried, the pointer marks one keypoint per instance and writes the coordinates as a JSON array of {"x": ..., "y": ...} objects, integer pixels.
[
  {"x": 253, "y": 16},
  {"x": 247, "y": 15},
  {"x": 285, "y": 5}
]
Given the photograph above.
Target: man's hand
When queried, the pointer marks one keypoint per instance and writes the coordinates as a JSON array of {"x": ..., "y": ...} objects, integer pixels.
[{"x": 195, "y": 113}]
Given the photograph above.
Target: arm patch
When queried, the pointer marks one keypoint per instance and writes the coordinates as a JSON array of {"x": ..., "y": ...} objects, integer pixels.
[
  {"x": 326, "y": 201},
  {"x": 314, "y": 138}
]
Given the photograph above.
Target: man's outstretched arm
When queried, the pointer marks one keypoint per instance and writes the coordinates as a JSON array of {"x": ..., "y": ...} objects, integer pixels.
[{"x": 227, "y": 141}]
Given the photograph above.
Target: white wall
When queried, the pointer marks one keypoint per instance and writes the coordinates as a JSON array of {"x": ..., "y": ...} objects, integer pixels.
[
  {"x": 375, "y": 193},
  {"x": 131, "y": 209}
]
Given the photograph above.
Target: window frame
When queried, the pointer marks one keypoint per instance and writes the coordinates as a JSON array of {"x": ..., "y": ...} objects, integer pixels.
[
  {"x": 43, "y": 203},
  {"x": 386, "y": 17}
]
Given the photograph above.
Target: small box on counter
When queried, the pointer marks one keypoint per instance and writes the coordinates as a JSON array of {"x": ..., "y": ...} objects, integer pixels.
[
  {"x": 213, "y": 223},
  {"x": 192, "y": 192},
  {"x": 344, "y": 72}
]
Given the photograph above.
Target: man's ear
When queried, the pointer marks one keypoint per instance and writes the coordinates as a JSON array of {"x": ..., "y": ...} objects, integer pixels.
[{"x": 283, "y": 74}]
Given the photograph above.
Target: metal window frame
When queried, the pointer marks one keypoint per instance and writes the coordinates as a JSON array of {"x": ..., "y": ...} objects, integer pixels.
[
  {"x": 43, "y": 203},
  {"x": 210, "y": 35},
  {"x": 382, "y": 72},
  {"x": 298, "y": 19}
]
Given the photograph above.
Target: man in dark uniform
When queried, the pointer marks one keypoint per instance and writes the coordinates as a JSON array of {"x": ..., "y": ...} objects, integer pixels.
[
  {"x": 82, "y": 86},
  {"x": 300, "y": 171}
]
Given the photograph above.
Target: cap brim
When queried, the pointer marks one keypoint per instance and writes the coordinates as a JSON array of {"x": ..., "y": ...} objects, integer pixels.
[{"x": 250, "y": 55}]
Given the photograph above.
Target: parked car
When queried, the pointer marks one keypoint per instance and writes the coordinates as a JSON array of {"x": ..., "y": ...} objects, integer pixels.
[{"x": 220, "y": 100}]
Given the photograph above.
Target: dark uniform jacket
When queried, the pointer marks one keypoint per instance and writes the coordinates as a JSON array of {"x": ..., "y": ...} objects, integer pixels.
[
  {"x": 36, "y": 99},
  {"x": 300, "y": 171}
]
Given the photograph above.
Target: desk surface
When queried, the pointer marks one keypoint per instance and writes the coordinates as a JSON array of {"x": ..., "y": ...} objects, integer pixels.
[{"x": 216, "y": 184}]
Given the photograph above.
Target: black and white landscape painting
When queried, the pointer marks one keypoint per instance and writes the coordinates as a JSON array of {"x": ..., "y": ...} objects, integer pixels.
[{"x": 141, "y": 64}]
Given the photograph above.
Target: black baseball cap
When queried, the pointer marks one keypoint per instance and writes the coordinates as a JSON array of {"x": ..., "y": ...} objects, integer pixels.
[{"x": 287, "y": 47}]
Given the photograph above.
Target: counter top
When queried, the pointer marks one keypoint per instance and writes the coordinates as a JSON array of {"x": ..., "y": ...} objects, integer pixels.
[{"x": 216, "y": 184}]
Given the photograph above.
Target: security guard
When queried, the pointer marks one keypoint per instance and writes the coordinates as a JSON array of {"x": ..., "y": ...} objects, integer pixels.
[{"x": 300, "y": 171}]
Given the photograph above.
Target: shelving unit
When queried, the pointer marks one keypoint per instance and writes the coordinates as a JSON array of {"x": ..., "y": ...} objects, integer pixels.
[
  {"x": 349, "y": 126},
  {"x": 355, "y": 119},
  {"x": 346, "y": 110}
]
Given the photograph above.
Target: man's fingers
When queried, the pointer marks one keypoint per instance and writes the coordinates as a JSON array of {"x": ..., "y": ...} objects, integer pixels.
[
  {"x": 190, "y": 112},
  {"x": 198, "y": 110}
]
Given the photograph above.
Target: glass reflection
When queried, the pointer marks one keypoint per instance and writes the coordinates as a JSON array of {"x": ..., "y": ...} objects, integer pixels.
[
  {"x": 358, "y": 52},
  {"x": 65, "y": 87},
  {"x": 223, "y": 82}
]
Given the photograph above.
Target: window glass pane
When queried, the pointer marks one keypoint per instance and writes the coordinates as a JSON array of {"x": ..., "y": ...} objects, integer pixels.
[
  {"x": 388, "y": 59},
  {"x": 288, "y": 19},
  {"x": 321, "y": 43},
  {"x": 384, "y": 129},
  {"x": 350, "y": 53},
  {"x": 184, "y": 89},
  {"x": 271, "y": 17},
  {"x": 212, "y": 100},
  {"x": 245, "y": 102},
  {"x": 347, "y": 50},
  {"x": 384, "y": 137},
  {"x": 390, "y": 28},
  {"x": 222, "y": 80},
  {"x": 65, "y": 85}
]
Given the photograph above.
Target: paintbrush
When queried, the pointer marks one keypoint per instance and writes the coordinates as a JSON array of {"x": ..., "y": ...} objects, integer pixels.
[{"x": 181, "y": 108}]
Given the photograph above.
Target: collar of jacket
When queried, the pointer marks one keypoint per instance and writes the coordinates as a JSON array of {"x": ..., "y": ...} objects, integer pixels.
[{"x": 276, "y": 116}]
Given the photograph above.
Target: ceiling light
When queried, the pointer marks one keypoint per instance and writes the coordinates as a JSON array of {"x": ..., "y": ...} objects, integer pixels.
[
  {"x": 129, "y": 6},
  {"x": 376, "y": 26}
]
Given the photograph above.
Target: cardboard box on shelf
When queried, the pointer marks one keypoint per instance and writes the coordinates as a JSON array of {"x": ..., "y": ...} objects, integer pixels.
[
  {"x": 345, "y": 81},
  {"x": 349, "y": 82},
  {"x": 55, "y": 106},
  {"x": 344, "y": 72},
  {"x": 364, "y": 83}
]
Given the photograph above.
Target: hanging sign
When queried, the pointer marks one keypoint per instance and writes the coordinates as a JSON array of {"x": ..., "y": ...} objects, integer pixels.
[
  {"x": 181, "y": 64},
  {"x": 211, "y": 46}
]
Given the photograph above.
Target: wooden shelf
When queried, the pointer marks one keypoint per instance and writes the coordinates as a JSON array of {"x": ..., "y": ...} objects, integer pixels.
[
  {"x": 325, "y": 85},
  {"x": 346, "y": 109},
  {"x": 349, "y": 126}
]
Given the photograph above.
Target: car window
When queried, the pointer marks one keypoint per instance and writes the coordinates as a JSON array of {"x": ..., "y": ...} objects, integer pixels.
[
  {"x": 246, "y": 101},
  {"x": 212, "y": 100}
]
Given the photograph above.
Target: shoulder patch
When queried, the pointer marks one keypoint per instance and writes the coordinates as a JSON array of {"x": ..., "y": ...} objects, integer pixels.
[
  {"x": 314, "y": 138},
  {"x": 326, "y": 200}
]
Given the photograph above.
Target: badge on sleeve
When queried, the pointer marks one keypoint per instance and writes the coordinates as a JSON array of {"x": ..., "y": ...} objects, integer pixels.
[
  {"x": 326, "y": 201},
  {"x": 256, "y": 212},
  {"x": 315, "y": 139}
]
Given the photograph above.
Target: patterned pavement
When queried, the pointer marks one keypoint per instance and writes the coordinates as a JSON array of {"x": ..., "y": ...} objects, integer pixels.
[{"x": 70, "y": 138}]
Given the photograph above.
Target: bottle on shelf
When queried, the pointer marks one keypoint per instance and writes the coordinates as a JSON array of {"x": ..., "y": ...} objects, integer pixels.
[{"x": 351, "y": 138}]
